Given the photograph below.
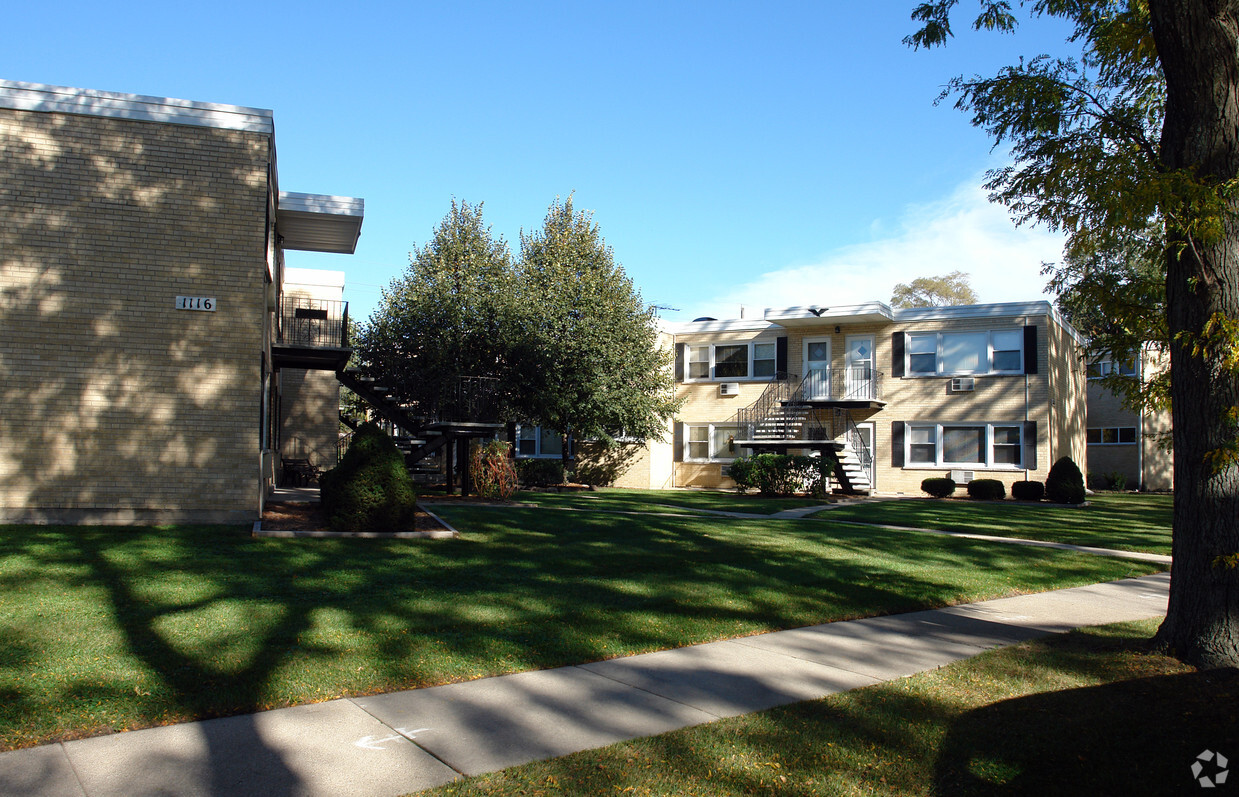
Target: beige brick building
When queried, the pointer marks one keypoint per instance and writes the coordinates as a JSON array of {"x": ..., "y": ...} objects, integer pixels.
[
  {"x": 141, "y": 279},
  {"x": 1122, "y": 442},
  {"x": 895, "y": 396}
]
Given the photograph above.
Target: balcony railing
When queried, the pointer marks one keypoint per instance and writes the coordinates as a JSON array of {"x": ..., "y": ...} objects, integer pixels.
[
  {"x": 850, "y": 383},
  {"x": 312, "y": 323}
]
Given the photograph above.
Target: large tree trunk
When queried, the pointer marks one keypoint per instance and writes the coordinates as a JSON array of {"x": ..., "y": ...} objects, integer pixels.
[{"x": 1198, "y": 44}]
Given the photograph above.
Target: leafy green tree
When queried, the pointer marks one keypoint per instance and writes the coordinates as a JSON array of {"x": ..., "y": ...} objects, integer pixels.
[
  {"x": 450, "y": 315},
  {"x": 591, "y": 363},
  {"x": 945, "y": 291},
  {"x": 1142, "y": 131}
]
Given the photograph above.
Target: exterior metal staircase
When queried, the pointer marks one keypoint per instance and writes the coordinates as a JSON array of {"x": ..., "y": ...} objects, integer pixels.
[{"x": 783, "y": 417}]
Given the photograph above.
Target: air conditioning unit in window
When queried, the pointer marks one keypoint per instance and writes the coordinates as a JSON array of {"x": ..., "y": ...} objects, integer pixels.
[
  {"x": 963, "y": 384},
  {"x": 962, "y": 476},
  {"x": 729, "y": 389}
]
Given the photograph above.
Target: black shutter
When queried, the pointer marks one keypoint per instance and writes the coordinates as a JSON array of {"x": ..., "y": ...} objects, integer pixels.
[
  {"x": 780, "y": 357},
  {"x": 1030, "y": 443},
  {"x": 681, "y": 363},
  {"x": 897, "y": 347},
  {"x": 897, "y": 429},
  {"x": 1030, "y": 350},
  {"x": 677, "y": 443}
]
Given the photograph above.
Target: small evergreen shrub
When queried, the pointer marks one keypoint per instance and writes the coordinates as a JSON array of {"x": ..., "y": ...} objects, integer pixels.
[
  {"x": 1027, "y": 491},
  {"x": 939, "y": 487},
  {"x": 1117, "y": 480},
  {"x": 781, "y": 474},
  {"x": 1065, "y": 482},
  {"x": 540, "y": 472},
  {"x": 370, "y": 490},
  {"x": 492, "y": 470},
  {"x": 986, "y": 490}
]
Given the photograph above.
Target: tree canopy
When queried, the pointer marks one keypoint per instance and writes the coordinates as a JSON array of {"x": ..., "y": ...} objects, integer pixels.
[
  {"x": 944, "y": 291},
  {"x": 562, "y": 330},
  {"x": 594, "y": 364},
  {"x": 1133, "y": 151}
]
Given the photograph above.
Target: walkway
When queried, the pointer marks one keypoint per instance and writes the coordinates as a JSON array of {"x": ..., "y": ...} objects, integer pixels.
[{"x": 392, "y": 744}]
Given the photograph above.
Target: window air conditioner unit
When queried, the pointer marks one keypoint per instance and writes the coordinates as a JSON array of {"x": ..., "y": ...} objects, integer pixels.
[
  {"x": 962, "y": 476},
  {"x": 963, "y": 384},
  {"x": 729, "y": 389}
]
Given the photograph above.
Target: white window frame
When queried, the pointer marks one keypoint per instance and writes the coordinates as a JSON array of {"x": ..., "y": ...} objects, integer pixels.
[
  {"x": 713, "y": 455},
  {"x": 939, "y": 462},
  {"x": 987, "y": 367},
  {"x": 1101, "y": 433},
  {"x": 537, "y": 440},
  {"x": 1107, "y": 366},
  {"x": 712, "y": 369}
]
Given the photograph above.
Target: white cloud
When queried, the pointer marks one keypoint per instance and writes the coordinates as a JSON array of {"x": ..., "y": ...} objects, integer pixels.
[{"x": 963, "y": 232}]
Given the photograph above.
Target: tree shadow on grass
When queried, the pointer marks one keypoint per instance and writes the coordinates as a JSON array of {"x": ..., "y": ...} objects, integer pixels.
[{"x": 1132, "y": 737}]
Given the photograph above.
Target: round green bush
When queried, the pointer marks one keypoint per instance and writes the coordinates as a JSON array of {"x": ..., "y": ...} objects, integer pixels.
[
  {"x": 1065, "y": 483},
  {"x": 370, "y": 490},
  {"x": 540, "y": 472},
  {"x": 1027, "y": 491},
  {"x": 939, "y": 487},
  {"x": 986, "y": 490}
]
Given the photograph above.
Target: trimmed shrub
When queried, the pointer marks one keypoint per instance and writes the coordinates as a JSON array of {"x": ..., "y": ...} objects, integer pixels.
[
  {"x": 986, "y": 490},
  {"x": 781, "y": 474},
  {"x": 940, "y": 487},
  {"x": 540, "y": 472},
  {"x": 1117, "y": 480},
  {"x": 1027, "y": 491},
  {"x": 1065, "y": 483},
  {"x": 492, "y": 471},
  {"x": 370, "y": 490}
]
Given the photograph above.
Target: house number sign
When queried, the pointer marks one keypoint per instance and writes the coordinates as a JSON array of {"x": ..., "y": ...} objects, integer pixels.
[{"x": 195, "y": 303}]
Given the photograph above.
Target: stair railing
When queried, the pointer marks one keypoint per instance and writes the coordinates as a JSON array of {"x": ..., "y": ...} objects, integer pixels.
[
  {"x": 857, "y": 441},
  {"x": 761, "y": 411}
]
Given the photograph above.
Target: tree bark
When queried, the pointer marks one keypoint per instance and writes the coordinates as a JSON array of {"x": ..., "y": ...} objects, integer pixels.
[{"x": 1198, "y": 45}]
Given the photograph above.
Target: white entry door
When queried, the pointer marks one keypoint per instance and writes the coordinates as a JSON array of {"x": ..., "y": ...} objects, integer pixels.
[
  {"x": 858, "y": 363},
  {"x": 817, "y": 368}
]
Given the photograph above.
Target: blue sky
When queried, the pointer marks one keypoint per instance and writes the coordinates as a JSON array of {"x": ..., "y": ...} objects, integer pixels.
[{"x": 733, "y": 154}]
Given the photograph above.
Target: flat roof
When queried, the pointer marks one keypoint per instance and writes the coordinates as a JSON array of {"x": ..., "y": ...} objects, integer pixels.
[
  {"x": 319, "y": 222},
  {"x": 43, "y": 98}
]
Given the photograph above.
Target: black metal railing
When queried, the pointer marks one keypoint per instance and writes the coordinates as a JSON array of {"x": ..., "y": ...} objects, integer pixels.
[
  {"x": 477, "y": 399},
  {"x": 764, "y": 412},
  {"x": 313, "y": 323}
]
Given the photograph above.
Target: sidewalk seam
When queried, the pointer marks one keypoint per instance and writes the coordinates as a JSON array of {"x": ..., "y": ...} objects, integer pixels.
[{"x": 411, "y": 740}]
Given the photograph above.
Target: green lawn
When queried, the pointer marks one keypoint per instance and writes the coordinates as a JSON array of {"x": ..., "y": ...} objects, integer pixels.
[
  {"x": 624, "y": 500},
  {"x": 1124, "y": 521},
  {"x": 116, "y": 628},
  {"x": 1087, "y": 713}
]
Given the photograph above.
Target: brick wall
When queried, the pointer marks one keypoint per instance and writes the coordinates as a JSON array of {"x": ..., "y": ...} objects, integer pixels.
[{"x": 117, "y": 406}]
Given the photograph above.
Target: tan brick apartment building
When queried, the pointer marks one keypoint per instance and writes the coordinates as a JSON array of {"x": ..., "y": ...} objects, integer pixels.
[
  {"x": 145, "y": 331},
  {"x": 1123, "y": 441},
  {"x": 896, "y": 396}
]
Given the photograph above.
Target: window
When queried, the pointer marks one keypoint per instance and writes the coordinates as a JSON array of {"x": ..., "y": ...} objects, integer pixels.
[
  {"x": 1102, "y": 368},
  {"x": 764, "y": 355},
  {"x": 923, "y": 445},
  {"x": 698, "y": 362},
  {"x": 727, "y": 361},
  {"x": 731, "y": 361},
  {"x": 712, "y": 442},
  {"x": 971, "y": 445},
  {"x": 539, "y": 441},
  {"x": 1111, "y": 436},
  {"x": 998, "y": 351}
]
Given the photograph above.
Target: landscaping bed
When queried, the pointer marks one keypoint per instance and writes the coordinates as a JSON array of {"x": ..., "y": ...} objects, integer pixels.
[{"x": 303, "y": 516}]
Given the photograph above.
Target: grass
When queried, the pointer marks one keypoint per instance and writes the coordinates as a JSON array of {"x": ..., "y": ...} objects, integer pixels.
[
  {"x": 625, "y": 500},
  {"x": 1088, "y": 713},
  {"x": 1127, "y": 522},
  {"x": 118, "y": 628}
]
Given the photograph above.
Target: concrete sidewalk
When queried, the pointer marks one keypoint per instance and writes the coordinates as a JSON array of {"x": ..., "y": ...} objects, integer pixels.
[{"x": 405, "y": 741}]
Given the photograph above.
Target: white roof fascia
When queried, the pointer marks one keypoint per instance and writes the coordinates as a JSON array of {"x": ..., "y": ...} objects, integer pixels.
[
  {"x": 801, "y": 316},
  {"x": 999, "y": 310},
  {"x": 42, "y": 98},
  {"x": 733, "y": 325},
  {"x": 320, "y": 222}
]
